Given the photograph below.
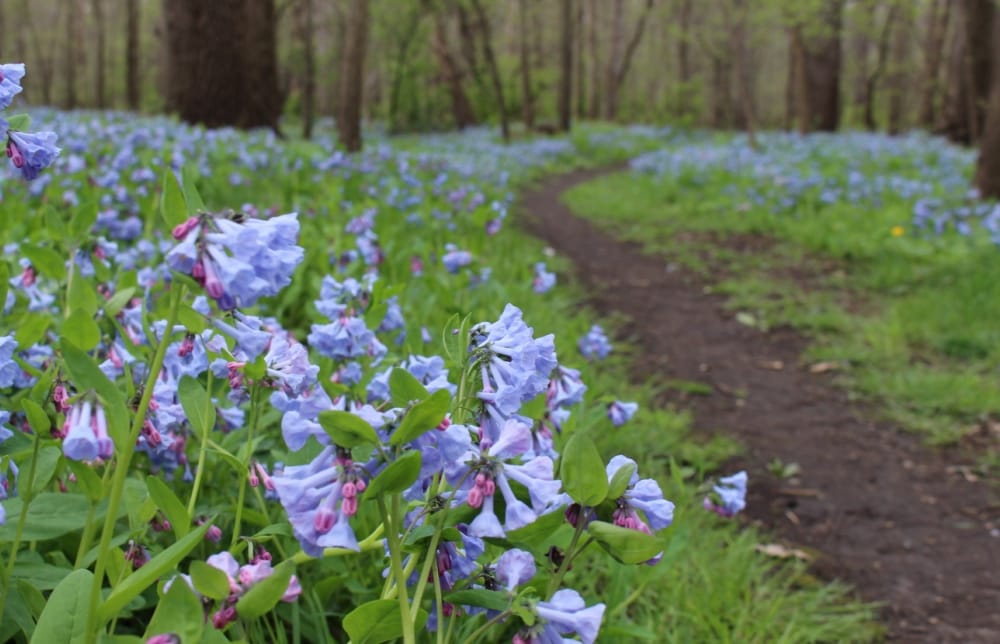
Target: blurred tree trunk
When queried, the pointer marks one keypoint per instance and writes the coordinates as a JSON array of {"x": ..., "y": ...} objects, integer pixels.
[
  {"x": 685, "y": 72},
  {"x": 722, "y": 92},
  {"x": 744, "y": 65},
  {"x": 803, "y": 113},
  {"x": 352, "y": 75},
  {"x": 594, "y": 20},
  {"x": 71, "y": 51},
  {"x": 881, "y": 54},
  {"x": 565, "y": 96},
  {"x": 468, "y": 32},
  {"x": 823, "y": 65},
  {"x": 938, "y": 28},
  {"x": 222, "y": 62},
  {"x": 461, "y": 108},
  {"x": 987, "y": 178},
  {"x": 133, "y": 91},
  {"x": 404, "y": 41},
  {"x": 621, "y": 58},
  {"x": 483, "y": 26},
  {"x": 896, "y": 77},
  {"x": 790, "y": 76},
  {"x": 579, "y": 87},
  {"x": 528, "y": 97},
  {"x": 304, "y": 25},
  {"x": 97, "y": 7},
  {"x": 979, "y": 17}
]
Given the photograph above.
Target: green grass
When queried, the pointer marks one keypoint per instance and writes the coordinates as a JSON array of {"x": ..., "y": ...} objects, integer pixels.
[{"x": 913, "y": 321}]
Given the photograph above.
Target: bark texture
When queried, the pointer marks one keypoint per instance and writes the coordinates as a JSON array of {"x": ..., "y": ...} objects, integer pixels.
[
  {"x": 352, "y": 76},
  {"x": 133, "y": 89},
  {"x": 823, "y": 65},
  {"x": 565, "y": 96}
]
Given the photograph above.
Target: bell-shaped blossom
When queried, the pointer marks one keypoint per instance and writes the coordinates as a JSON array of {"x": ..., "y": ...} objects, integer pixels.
[
  {"x": 565, "y": 614},
  {"x": 595, "y": 344},
  {"x": 345, "y": 338},
  {"x": 730, "y": 495},
  {"x": 644, "y": 495},
  {"x": 455, "y": 259},
  {"x": 620, "y": 412},
  {"x": 85, "y": 433},
  {"x": 10, "y": 82},
  {"x": 31, "y": 152},
  {"x": 514, "y": 567},
  {"x": 429, "y": 370},
  {"x": 543, "y": 279}
]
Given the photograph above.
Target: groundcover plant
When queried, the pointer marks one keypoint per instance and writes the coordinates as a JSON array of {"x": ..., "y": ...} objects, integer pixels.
[{"x": 279, "y": 418}]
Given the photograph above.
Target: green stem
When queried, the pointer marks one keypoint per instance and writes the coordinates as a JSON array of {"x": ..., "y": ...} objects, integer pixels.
[
  {"x": 439, "y": 605},
  {"x": 475, "y": 637},
  {"x": 564, "y": 566},
  {"x": 202, "y": 451},
  {"x": 15, "y": 545},
  {"x": 124, "y": 459},
  {"x": 254, "y": 418},
  {"x": 90, "y": 526},
  {"x": 392, "y": 536}
]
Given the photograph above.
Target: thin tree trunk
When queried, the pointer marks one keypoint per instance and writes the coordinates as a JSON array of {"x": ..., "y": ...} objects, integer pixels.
[
  {"x": 461, "y": 108},
  {"x": 802, "y": 112},
  {"x": 97, "y": 6},
  {"x": 684, "y": 70},
  {"x": 352, "y": 76},
  {"x": 566, "y": 66},
  {"x": 133, "y": 90},
  {"x": 940, "y": 14},
  {"x": 896, "y": 78},
  {"x": 580, "y": 75},
  {"x": 741, "y": 55},
  {"x": 528, "y": 98},
  {"x": 491, "y": 65},
  {"x": 873, "y": 77},
  {"x": 621, "y": 60},
  {"x": 594, "y": 110},
  {"x": 305, "y": 27},
  {"x": 71, "y": 50}
]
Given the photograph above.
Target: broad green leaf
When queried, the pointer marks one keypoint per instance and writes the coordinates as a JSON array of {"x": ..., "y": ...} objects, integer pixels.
[
  {"x": 88, "y": 480},
  {"x": 37, "y": 418},
  {"x": 619, "y": 482},
  {"x": 396, "y": 477},
  {"x": 19, "y": 123},
  {"x": 538, "y": 531},
  {"x": 179, "y": 611},
  {"x": 64, "y": 619},
  {"x": 197, "y": 405},
  {"x": 265, "y": 594},
  {"x": 45, "y": 260},
  {"x": 146, "y": 576},
  {"x": 87, "y": 375},
  {"x": 40, "y": 575},
  {"x": 82, "y": 221},
  {"x": 492, "y": 599},
  {"x": 81, "y": 329},
  {"x": 347, "y": 429},
  {"x": 31, "y": 328},
  {"x": 80, "y": 294},
  {"x": 192, "y": 320},
  {"x": 582, "y": 471},
  {"x": 405, "y": 388},
  {"x": 118, "y": 301},
  {"x": 191, "y": 196},
  {"x": 16, "y": 615},
  {"x": 424, "y": 416},
  {"x": 173, "y": 208},
  {"x": 624, "y": 544},
  {"x": 209, "y": 580},
  {"x": 378, "y": 621},
  {"x": 169, "y": 504},
  {"x": 45, "y": 464},
  {"x": 42, "y": 389},
  {"x": 4, "y": 280}
]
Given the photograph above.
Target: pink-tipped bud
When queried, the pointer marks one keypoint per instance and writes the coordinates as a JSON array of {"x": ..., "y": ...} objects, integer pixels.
[
  {"x": 214, "y": 534},
  {"x": 181, "y": 230},
  {"x": 349, "y": 506},
  {"x": 224, "y": 616},
  {"x": 187, "y": 345},
  {"x": 475, "y": 497},
  {"x": 253, "y": 480}
]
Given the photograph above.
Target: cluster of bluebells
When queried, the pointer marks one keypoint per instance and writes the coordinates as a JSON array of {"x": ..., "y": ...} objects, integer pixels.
[
  {"x": 594, "y": 345},
  {"x": 29, "y": 152}
]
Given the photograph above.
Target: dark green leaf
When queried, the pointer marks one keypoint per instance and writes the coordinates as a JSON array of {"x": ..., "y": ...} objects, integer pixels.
[
  {"x": 64, "y": 619},
  {"x": 347, "y": 429},
  {"x": 396, "y": 477},
  {"x": 80, "y": 329},
  {"x": 45, "y": 464},
  {"x": 405, "y": 388},
  {"x": 481, "y": 597},
  {"x": 624, "y": 544},
  {"x": 197, "y": 405},
  {"x": 378, "y": 621},
  {"x": 209, "y": 580},
  {"x": 40, "y": 575},
  {"x": 118, "y": 301},
  {"x": 619, "y": 482},
  {"x": 173, "y": 209},
  {"x": 87, "y": 480},
  {"x": 179, "y": 611},
  {"x": 194, "y": 203},
  {"x": 80, "y": 294},
  {"x": 265, "y": 594},
  {"x": 46, "y": 261},
  {"x": 169, "y": 504},
  {"x": 31, "y": 328},
  {"x": 582, "y": 471},
  {"x": 82, "y": 221},
  {"x": 422, "y": 417},
  {"x": 37, "y": 418}
]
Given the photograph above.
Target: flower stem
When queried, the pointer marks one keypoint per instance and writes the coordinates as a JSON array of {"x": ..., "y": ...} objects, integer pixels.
[
  {"x": 564, "y": 566},
  {"x": 202, "y": 453},
  {"x": 15, "y": 545},
  {"x": 254, "y": 418},
  {"x": 124, "y": 459},
  {"x": 392, "y": 536}
]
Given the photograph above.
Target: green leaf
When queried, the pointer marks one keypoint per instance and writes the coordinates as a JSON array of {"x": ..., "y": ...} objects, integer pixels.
[
  {"x": 16, "y": 615},
  {"x": 422, "y": 417},
  {"x": 87, "y": 375},
  {"x": 32, "y": 328},
  {"x": 265, "y": 594},
  {"x": 405, "y": 388},
  {"x": 80, "y": 294},
  {"x": 80, "y": 329},
  {"x": 191, "y": 196},
  {"x": 378, "y": 621},
  {"x": 45, "y": 260},
  {"x": 197, "y": 405},
  {"x": 209, "y": 580},
  {"x": 118, "y": 301},
  {"x": 37, "y": 418},
  {"x": 179, "y": 612},
  {"x": 619, "y": 482},
  {"x": 192, "y": 320},
  {"x": 170, "y": 505},
  {"x": 40, "y": 575},
  {"x": 399, "y": 475},
  {"x": 146, "y": 576},
  {"x": 19, "y": 123},
  {"x": 4, "y": 281},
  {"x": 46, "y": 463},
  {"x": 82, "y": 221},
  {"x": 624, "y": 544},
  {"x": 582, "y": 471},
  {"x": 347, "y": 429},
  {"x": 538, "y": 531},
  {"x": 481, "y": 597},
  {"x": 173, "y": 208},
  {"x": 87, "y": 479},
  {"x": 64, "y": 619}
]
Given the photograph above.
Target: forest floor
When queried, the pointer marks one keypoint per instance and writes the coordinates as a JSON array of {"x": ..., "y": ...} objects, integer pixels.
[{"x": 869, "y": 505}]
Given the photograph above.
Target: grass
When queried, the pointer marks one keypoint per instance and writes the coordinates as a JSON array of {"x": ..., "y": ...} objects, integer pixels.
[{"x": 911, "y": 319}]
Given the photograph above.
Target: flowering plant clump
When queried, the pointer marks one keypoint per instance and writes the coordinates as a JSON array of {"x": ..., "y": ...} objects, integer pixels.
[
  {"x": 29, "y": 153},
  {"x": 216, "y": 427}
]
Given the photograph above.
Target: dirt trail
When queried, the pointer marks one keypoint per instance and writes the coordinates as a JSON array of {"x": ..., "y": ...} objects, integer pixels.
[{"x": 886, "y": 515}]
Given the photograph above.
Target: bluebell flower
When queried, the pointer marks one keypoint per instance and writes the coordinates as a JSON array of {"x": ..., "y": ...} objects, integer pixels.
[
  {"x": 10, "y": 83},
  {"x": 31, "y": 152},
  {"x": 729, "y": 496},
  {"x": 86, "y": 433},
  {"x": 543, "y": 280},
  {"x": 513, "y": 568},
  {"x": 594, "y": 344},
  {"x": 620, "y": 412},
  {"x": 454, "y": 258},
  {"x": 10, "y": 370},
  {"x": 565, "y": 614},
  {"x": 429, "y": 370}
]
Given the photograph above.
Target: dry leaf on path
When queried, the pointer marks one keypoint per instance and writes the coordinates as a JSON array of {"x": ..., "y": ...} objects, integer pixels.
[
  {"x": 781, "y": 552},
  {"x": 823, "y": 367}
]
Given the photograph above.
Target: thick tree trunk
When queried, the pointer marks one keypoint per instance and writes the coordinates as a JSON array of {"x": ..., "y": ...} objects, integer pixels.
[
  {"x": 133, "y": 89},
  {"x": 823, "y": 69},
  {"x": 493, "y": 68},
  {"x": 304, "y": 25},
  {"x": 937, "y": 30},
  {"x": 352, "y": 76},
  {"x": 743, "y": 70},
  {"x": 461, "y": 108},
  {"x": 223, "y": 62},
  {"x": 803, "y": 113},
  {"x": 527, "y": 94},
  {"x": 987, "y": 178},
  {"x": 565, "y": 96},
  {"x": 72, "y": 52},
  {"x": 100, "y": 94},
  {"x": 979, "y": 17}
]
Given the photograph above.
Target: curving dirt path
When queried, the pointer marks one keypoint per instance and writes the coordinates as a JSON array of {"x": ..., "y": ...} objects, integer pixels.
[{"x": 892, "y": 518}]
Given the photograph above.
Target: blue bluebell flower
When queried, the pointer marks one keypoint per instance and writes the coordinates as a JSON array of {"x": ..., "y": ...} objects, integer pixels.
[
  {"x": 729, "y": 497},
  {"x": 543, "y": 280},
  {"x": 620, "y": 412},
  {"x": 595, "y": 344},
  {"x": 31, "y": 152},
  {"x": 10, "y": 83}
]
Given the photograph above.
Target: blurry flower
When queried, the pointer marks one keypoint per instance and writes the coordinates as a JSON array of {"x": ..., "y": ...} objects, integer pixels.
[
  {"x": 729, "y": 496},
  {"x": 31, "y": 152},
  {"x": 10, "y": 82},
  {"x": 594, "y": 344},
  {"x": 544, "y": 280},
  {"x": 620, "y": 412}
]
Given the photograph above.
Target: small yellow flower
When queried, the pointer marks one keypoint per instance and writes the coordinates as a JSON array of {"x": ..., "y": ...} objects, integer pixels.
[{"x": 898, "y": 231}]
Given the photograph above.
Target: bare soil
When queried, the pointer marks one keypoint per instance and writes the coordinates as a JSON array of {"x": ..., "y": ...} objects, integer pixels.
[{"x": 902, "y": 523}]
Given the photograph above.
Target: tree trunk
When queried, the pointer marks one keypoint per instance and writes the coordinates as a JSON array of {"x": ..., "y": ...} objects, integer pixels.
[
  {"x": 304, "y": 25},
  {"x": 979, "y": 16},
  {"x": 940, "y": 14},
  {"x": 744, "y": 66},
  {"x": 722, "y": 93},
  {"x": 581, "y": 72},
  {"x": 987, "y": 178},
  {"x": 222, "y": 67},
  {"x": 822, "y": 55},
  {"x": 564, "y": 107},
  {"x": 97, "y": 6},
  {"x": 399, "y": 68},
  {"x": 881, "y": 54},
  {"x": 491, "y": 65},
  {"x": 621, "y": 59},
  {"x": 896, "y": 78},
  {"x": 684, "y": 70},
  {"x": 528, "y": 98},
  {"x": 803, "y": 114},
  {"x": 352, "y": 76},
  {"x": 594, "y": 110},
  {"x": 461, "y": 108},
  {"x": 71, "y": 50},
  {"x": 133, "y": 89}
]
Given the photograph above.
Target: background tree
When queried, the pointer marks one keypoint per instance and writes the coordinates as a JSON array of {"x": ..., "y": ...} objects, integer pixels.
[
  {"x": 565, "y": 96},
  {"x": 133, "y": 88},
  {"x": 351, "y": 92}
]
